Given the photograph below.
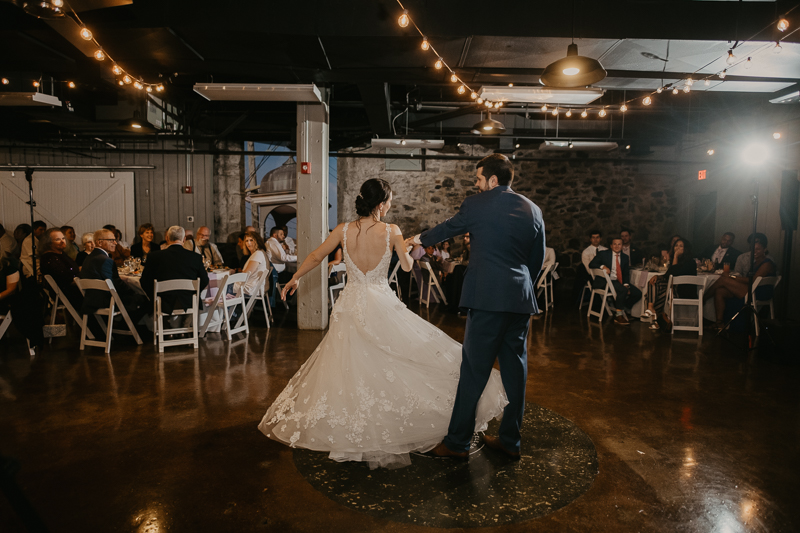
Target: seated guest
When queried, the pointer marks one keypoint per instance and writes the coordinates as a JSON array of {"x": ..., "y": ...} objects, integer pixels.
[
  {"x": 594, "y": 246},
  {"x": 120, "y": 255},
  {"x": 20, "y": 232},
  {"x": 681, "y": 264},
  {"x": 201, "y": 245},
  {"x": 727, "y": 287},
  {"x": 173, "y": 262},
  {"x": 636, "y": 257},
  {"x": 724, "y": 253},
  {"x": 56, "y": 263},
  {"x": 26, "y": 253},
  {"x": 257, "y": 261},
  {"x": 145, "y": 244},
  {"x": 617, "y": 266},
  {"x": 430, "y": 257},
  {"x": 278, "y": 256},
  {"x": 99, "y": 265},
  {"x": 242, "y": 253},
  {"x": 72, "y": 248},
  {"x": 9, "y": 278},
  {"x": 87, "y": 239},
  {"x": 7, "y": 243},
  {"x": 465, "y": 249},
  {"x": 291, "y": 246},
  {"x": 118, "y": 235},
  {"x": 444, "y": 249}
]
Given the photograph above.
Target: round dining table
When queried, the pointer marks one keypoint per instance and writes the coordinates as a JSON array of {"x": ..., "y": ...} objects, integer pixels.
[{"x": 639, "y": 278}]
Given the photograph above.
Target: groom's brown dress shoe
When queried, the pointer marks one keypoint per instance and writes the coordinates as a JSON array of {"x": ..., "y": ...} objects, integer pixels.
[
  {"x": 495, "y": 444},
  {"x": 443, "y": 451}
]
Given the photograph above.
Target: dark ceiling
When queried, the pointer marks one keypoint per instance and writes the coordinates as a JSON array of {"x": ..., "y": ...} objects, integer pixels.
[{"x": 373, "y": 68}]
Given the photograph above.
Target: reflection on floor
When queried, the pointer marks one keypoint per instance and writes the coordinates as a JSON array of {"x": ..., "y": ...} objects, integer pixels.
[{"x": 691, "y": 435}]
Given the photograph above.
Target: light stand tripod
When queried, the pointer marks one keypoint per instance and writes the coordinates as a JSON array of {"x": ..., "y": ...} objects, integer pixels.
[{"x": 32, "y": 203}]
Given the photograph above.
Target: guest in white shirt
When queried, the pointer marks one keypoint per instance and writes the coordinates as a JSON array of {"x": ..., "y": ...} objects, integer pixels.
[
  {"x": 590, "y": 251},
  {"x": 257, "y": 261},
  {"x": 285, "y": 264},
  {"x": 288, "y": 241},
  {"x": 201, "y": 245}
]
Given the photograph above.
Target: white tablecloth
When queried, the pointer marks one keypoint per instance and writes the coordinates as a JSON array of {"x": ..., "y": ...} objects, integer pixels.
[{"x": 639, "y": 278}]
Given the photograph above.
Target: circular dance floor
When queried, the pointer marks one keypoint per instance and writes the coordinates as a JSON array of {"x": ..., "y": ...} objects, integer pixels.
[{"x": 559, "y": 463}]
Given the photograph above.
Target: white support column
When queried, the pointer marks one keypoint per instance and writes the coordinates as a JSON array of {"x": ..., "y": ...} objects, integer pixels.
[{"x": 312, "y": 211}]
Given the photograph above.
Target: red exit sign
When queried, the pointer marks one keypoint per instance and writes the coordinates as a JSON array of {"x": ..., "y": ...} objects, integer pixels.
[{"x": 701, "y": 174}]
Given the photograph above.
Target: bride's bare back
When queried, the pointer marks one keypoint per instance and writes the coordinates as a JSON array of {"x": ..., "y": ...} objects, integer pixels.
[{"x": 367, "y": 244}]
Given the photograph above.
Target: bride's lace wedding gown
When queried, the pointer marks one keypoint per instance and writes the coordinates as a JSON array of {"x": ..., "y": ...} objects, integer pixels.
[{"x": 380, "y": 384}]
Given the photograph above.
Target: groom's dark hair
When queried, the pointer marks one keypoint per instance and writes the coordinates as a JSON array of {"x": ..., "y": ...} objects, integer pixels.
[{"x": 497, "y": 165}]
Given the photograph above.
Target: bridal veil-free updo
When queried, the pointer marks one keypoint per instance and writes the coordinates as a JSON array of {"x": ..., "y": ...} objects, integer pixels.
[{"x": 373, "y": 192}]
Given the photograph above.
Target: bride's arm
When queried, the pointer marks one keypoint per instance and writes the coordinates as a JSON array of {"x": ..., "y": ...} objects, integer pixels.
[
  {"x": 406, "y": 262},
  {"x": 313, "y": 260}
]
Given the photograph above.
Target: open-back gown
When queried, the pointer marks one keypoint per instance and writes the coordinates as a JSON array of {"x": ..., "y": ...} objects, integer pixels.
[{"x": 380, "y": 384}]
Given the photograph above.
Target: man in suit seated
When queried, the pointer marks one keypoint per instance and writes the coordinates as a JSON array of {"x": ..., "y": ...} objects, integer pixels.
[
  {"x": 173, "y": 262},
  {"x": 618, "y": 267},
  {"x": 634, "y": 255},
  {"x": 724, "y": 253},
  {"x": 100, "y": 265}
]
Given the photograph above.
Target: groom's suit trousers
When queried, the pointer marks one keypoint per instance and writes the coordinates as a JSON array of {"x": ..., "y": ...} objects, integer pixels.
[{"x": 491, "y": 335}]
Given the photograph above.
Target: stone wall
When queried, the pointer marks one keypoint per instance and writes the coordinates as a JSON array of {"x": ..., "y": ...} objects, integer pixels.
[{"x": 576, "y": 192}]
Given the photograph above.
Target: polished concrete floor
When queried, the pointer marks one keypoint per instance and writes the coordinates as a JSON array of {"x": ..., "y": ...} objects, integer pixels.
[{"x": 691, "y": 435}]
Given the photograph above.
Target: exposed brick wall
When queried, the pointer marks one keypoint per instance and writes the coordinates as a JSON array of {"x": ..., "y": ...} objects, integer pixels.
[{"x": 575, "y": 193}]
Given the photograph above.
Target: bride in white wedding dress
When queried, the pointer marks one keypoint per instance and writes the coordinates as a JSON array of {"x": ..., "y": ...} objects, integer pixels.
[{"x": 383, "y": 381}]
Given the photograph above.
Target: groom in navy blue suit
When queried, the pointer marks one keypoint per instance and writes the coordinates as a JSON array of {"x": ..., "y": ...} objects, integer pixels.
[{"x": 507, "y": 251}]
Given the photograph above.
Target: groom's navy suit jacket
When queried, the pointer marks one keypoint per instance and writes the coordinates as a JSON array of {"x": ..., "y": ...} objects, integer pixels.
[{"x": 506, "y": 250}]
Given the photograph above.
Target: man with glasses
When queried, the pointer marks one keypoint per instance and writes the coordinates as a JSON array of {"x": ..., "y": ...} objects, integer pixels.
[
  {"x": 201, "y": 245},
  {"x": 100, "y": 265}
]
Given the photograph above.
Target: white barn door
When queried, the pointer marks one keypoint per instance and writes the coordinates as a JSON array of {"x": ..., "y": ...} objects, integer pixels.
[{"x": 87, "y": 201}]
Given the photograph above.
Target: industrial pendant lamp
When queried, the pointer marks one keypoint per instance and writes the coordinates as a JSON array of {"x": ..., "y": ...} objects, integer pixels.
[
  {"x": 573, "y": 70},
  {"x": 488, "y": 126},
  {"x": 136, "y": 124},
  {"x": 43, "y": 9}
]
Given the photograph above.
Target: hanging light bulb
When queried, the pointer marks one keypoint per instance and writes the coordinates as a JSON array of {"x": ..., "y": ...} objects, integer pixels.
[
  {"x": 127, "y": 79},
  {"x": 138, "y": 85},
  {"x": 623, "y": 108},
  {"x": 86, "y": 34},
  {"x": 120, "y": 82},
  {"x": 489, "y": 104},
  {"x": 748, "y": 63},
  {"x": 497, "y": 105},
  {"x": 149, "y": 89},
  {"x": 510, "y": 84},
  {"x": 706, "y": 82},
  {"x": 689, "y": 82},
  {"x": 58, "y": 3},
  {"x": 569, "y": 113},
  {"x": 777, "y": 49},
  {"x": 776, "y": 135},
  {"x": 461, "y": 89},
  {"x": 453, "y": 77},
  {"x": 602, "y": 113},
  {"x": 584, "y": 114},
  {"x": 99, "y": 54},
  {"x": 783, "y": 25},
  {"x": 723, "y": 74},
  {"x": 473, "y": 95},
  {"x": 647, "y": 100},
  {"x": 71, "y": 84},
  {"x": 35, "y": 83},
  {"x": 5, "y": 81},
  {"x": 439, "y": 63},
  {"x": 675, "y": 90},
  {"x": 479, "y": 100},
  {"x": 403, "y": 142},
  {"x": 544, "y": 108},
  {"x": 710, "y": 151},
  {"x": 686, "y": 88},
  {"x": 425, "y": 44},
  {"x": 554, "y": 112},
  {"x": 404, "y": 19},
  {"x": 160, "y": 88},
  {"x": 660, "y": 90},
  {"x": 731, "y": 59},
  {"x": 116, "y": 70}
]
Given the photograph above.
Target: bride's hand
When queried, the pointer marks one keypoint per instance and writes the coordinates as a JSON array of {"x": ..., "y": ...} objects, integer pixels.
[{"x": 291, "y": 286}]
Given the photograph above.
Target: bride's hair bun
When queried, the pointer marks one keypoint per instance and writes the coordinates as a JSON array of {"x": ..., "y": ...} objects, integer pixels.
[{"x": 374, "y": 192}]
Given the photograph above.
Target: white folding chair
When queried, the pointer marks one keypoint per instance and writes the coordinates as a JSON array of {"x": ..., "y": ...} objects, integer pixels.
[
  {"x": 61, "y": 303},
  {"x": 159, "y": 331},
  {"x": 697, "y": 303},
  {"x": 415, "y": 276},
  {"x": 433, "y": 281},
  {"x": 5, "y": 321},
  {"x": 393, "y": 279},
  {"x": 758, "y": 304},
  {"x": 258, "y": 278},
  {"x": 545, "y": 285},
  {"x": 341, "y": 267},
  {"x": 227, "y": 302},
  {"x": 115, "y": 308},
  {"x": 605, "y": 293}
]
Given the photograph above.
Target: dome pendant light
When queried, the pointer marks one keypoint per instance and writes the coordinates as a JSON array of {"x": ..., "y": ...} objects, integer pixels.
[
  {"x": 488, "y": 126},
  {"x": 573, "y": 70}
]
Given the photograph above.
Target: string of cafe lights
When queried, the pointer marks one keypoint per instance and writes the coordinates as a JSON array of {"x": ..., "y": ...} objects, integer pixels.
[
  {"x": 684, "y": 85},
  {"x": 123, "y": 76}
]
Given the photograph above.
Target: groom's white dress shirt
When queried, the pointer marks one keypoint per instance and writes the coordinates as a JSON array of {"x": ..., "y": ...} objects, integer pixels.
[
  {"x": 589, "y": 253},
  {"x": 278, "y": 256}
]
